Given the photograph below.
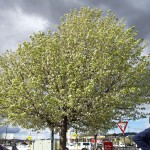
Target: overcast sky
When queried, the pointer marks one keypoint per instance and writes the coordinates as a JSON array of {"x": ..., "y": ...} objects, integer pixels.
[{"x": 20, "y": 18}]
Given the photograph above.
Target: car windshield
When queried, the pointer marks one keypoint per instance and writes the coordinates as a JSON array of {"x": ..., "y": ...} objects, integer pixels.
[
  {"x": 79, "y": 144},
  {"x": 86, "y": 143}
]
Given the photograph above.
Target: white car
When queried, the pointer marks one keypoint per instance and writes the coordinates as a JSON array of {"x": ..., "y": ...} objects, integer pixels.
[
  {"x": 71, "y": 146},
  {"x": 81, "y": 146},
  {"x": 23, "y": 147},
  {"x": 122, "y": 145}
]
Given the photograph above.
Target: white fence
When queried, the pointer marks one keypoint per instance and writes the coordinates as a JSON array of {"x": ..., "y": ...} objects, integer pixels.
[{"x": 45, "y": 145}]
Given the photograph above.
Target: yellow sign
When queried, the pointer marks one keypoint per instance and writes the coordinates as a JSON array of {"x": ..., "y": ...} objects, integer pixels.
[
  {"x": 29, "y": 138},
  {"x": 75, "y": 135}
]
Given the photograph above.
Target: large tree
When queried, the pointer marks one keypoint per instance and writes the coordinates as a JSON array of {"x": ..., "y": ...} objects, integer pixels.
[{"x": 89, "y": 72}]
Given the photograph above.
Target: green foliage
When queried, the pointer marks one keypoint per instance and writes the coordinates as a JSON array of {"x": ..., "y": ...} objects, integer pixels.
[
  {"x": 90, "y": 71},
  {"x": 128, "y": 140}
]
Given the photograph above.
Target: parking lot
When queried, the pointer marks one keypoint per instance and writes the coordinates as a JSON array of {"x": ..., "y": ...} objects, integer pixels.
[{"x": 126, "y": 148}]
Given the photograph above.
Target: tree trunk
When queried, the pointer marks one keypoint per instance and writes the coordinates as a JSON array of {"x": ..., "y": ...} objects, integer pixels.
[{"x": 63, "y": 132}]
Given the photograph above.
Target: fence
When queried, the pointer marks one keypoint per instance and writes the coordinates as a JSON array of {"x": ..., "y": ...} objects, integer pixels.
[
  {"x": 45, "y": 145},
  {"x": 126, "y": 148}
]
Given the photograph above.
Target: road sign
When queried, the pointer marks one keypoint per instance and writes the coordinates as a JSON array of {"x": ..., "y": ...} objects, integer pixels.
[
  {"x": 122, "y": 126},
  {"x": 29, "y": 138},
  {"x": 75, "y": 135},
  {"x": 108, "y": 145}
]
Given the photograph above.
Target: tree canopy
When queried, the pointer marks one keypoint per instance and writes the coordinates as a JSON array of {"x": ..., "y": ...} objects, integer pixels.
[{"x": 89, "y": 72}]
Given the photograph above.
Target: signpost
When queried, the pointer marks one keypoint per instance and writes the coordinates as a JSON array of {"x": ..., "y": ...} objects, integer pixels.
[
  {"x": 122, "y": 126},
  {"x": 29, "y": 139},
  {"x": 75, "y": 135}
]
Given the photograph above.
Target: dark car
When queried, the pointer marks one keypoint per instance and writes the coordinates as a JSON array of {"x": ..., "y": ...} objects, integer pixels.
[
  {"x": 3, "y": 148},
  {"x": 99, "y": 146}
]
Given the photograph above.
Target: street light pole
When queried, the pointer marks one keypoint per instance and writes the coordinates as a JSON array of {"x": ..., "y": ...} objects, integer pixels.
[
  {"x": 52, "y": 139},
  {"x": 6, "y": 133}
]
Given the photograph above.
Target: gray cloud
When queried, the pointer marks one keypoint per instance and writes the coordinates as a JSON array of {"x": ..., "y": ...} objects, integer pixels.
[
  {"x": 16, "y": 25},
  {"x": 136, "y": 12},
  {"x": 9, "y": 129},
  {"x": 49, "y": 9}
]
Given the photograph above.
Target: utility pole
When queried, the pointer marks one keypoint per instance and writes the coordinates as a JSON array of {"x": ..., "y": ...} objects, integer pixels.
[
  {"x": 52, "y": 139},
  {"x": 76, "y": 139},
  {"x": 6, "y": 133}
]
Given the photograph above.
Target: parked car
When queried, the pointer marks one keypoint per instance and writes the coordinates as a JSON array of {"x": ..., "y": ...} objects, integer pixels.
[
  {"x": 81, "y": 146},
  {"x": 70, "y": 146},
  {"x": 121, "y": 145},
  {"x": 3, "y": 148},
  {"x": 99, "y": 146},
  {"x": 23, "y": 147},
  {"x": 115, "y": 145}
]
